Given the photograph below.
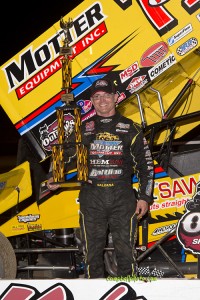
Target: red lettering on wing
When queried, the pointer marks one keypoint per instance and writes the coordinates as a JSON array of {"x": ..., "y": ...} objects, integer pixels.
[{"x": 158, "y": 16}]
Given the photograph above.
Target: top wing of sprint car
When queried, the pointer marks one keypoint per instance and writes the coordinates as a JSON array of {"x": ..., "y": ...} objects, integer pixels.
[{"x": 150, "y": 50}]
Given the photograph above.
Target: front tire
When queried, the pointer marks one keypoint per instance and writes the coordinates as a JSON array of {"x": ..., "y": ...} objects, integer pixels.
[{"x": 8, "y": 262}]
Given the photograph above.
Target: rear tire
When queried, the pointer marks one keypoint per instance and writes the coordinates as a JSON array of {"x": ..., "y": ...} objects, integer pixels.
[{"x": 8, "y": 262}]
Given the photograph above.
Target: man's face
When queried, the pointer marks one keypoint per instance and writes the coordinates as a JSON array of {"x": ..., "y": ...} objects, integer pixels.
[{"x": 104, "y": 103}]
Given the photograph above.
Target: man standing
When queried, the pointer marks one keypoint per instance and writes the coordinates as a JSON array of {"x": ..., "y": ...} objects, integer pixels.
[{"x": 117, "y": 149}]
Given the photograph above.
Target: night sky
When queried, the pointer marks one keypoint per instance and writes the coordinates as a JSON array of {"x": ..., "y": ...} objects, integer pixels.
[{"x": 21, "y": 24}]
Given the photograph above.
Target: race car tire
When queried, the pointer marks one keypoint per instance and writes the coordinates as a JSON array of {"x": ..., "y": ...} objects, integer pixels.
[{"x": 8, "y": 262}]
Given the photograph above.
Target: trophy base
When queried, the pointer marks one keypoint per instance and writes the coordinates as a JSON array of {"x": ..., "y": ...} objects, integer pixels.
[{"x": 67, "y": 184}]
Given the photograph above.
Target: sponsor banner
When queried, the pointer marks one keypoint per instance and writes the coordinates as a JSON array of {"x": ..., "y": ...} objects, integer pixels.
[
  {"x": 125, "y": 288},
  {"x": 170, "y": 198}
]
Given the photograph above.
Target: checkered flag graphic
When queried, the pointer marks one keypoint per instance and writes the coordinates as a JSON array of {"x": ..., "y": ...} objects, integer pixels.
[
  {"x": 143, "y": 271},
  {"x": 157, "y": 273}
]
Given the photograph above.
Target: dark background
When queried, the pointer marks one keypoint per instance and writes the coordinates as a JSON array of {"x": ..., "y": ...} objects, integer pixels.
[{"x": 20, "y": 25}]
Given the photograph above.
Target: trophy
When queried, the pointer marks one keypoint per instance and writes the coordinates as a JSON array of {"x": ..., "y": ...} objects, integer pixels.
[{"x": 67, "y": 97}]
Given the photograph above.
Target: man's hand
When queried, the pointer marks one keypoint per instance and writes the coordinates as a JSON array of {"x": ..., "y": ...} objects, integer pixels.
[
  {"x": 51, "y": 186},
  {"x": 141, "y": 208}
]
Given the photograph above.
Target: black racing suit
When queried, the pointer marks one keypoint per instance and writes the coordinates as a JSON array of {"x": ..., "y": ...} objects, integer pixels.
[{"x": 117, "y": 149}]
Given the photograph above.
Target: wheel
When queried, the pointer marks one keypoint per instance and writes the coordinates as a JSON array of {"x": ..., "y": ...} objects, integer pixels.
[
  {"x": 110, "y": 263},
  {"x": 8, "y": 262}
]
